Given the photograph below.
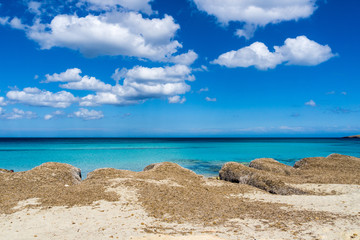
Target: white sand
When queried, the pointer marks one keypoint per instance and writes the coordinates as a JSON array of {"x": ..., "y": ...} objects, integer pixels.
[
  {"x": 345, "y": 201},
  {"x": 126, "y": 219}
]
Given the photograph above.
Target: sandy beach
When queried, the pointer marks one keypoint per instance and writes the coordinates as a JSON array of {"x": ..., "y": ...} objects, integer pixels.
[{"x": 166, "y": 201}]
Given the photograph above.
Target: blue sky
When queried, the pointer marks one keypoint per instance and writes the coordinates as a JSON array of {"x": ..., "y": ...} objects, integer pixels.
[{"x": 141, "y": 68}]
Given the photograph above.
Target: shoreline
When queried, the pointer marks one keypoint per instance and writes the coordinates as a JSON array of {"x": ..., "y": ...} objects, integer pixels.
[{"x": 318, "y": 198}]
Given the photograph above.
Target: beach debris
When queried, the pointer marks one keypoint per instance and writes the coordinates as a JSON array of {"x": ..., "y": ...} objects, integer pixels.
[
  {"x": 238, "y": 173},
  {"x": 271, "y": 165},
  {"x": 54, "y": 171}
]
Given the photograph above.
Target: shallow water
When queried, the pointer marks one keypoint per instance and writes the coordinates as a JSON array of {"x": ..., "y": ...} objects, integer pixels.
[{"x": 204, "y": 156}]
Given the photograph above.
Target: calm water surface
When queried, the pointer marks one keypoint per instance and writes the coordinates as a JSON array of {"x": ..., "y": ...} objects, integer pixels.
[{"x": 204, "y": 156}]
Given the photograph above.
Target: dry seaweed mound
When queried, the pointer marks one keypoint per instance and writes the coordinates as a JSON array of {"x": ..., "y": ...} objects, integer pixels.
[
  {"x": 168, "y": 170},
  {"x": 238, "y": 173},
  {"x": 108, "y": 173},
  {"x": 52, "y": 172},
  {"x": 53, "y": 184},
  {"x": 165, "y": 190},
  {"x": 334, "y": 169},
  {"x": 271, "y": 165}
]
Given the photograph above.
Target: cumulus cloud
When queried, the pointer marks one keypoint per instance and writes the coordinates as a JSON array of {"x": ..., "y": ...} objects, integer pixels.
[
  {"x": 311, "y": 103},
  {"x": 142, "y": 83},
  {"x": 176, "y": 73},
  {"x": 14, "y": 22},
  {"x": 76, "y": 82},
  {"x": 302, "y": 51},
  {"x": 257, "y": 54},
  {"x": 177, "y": 99},
  {"x": 53, "y": 115},
  {"x": 2, "y": 101},
  {"x": 208, "y": 99},
  {"x": 295, "y": 51},
  {"x": 106, "y": 98},
  {"x": 87, "y": 114},
  {"x": 112, "y": 33},
  {"x": 34, "y": 7},
  {"x": 88, "y": 83},
  {"x": 17, "y": 24},
  {"x": 185, "y": 58},
  {"x": 254, "y": 13},
  {"x": 112, "y": 28},
  {"x": 17, "y": 114},
  {"x": 70, "y": 75},
  {"x": 37, "y": 97},
  {"x": 137, "y": 5}
]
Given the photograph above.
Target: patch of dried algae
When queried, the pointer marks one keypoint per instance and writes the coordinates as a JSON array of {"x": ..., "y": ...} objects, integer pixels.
[
  {"x": 54, "y": 184},
  {"x": 187, "y": 198}
]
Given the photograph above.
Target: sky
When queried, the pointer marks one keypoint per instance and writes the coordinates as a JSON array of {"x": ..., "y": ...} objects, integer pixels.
[{"x": 179, "y": 68}]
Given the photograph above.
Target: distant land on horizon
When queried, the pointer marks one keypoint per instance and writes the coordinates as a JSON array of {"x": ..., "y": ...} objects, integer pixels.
[{"x": 353, "y": 136}]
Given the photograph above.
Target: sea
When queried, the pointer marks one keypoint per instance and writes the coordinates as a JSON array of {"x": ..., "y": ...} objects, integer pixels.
[{"x": 204, "y": 156}]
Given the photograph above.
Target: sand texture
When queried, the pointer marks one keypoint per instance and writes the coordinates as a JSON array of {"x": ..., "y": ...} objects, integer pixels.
[{"x": 166, "y": 201}]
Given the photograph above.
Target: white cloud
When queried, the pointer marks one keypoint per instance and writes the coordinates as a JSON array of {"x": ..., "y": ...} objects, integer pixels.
[
  {"x": 4, "y": 20},
  {"x": 295, "y": 51},
  {"x": 137, "y": 5},
  {"x": 203, "y": 90},
  {"x": 34, "y": 7},
  {"x": 14, "y": 22},
  {"x": 185, "y": 58},
  {"x": 37, "y": 97},
  {"x": 344, "y": 93},
  {"x": 210, "y": 99},
  {"x": 176, "y": 73},
  {"x": 17, "y": 24},
  {"x": 142, "y": 83},
  {"x": 202, "y": 68},
  {"x": 2, "y": 101},
  {"x": 247, "y": 32},
  {"x": 106, "y": 98},
  {"x": 87, "y": 114},
  {"x": 254, "y": 13},
  {"x": 177, "y": 99},
  {"x": 1, "y": 111},
  {"x": 257, "y": 54},
  {"x": 17, "y": 114},
  {"x": 119, "y": 74},
  {"x": 302, "y": 51},
  {"x": 70, "y": 75},
  {"x": 53, "y": 115},
  {"x": 112, "y": 33},
  {"x": 311, "y": 103},
  {"x": 88, "y": 83},
  {"x": 76, "y": 82}
]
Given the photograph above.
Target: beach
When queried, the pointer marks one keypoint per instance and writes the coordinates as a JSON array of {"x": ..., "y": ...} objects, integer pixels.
[{"x": 166, "y": 201}]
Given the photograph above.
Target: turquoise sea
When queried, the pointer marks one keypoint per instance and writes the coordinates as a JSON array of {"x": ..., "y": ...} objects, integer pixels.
[{"x": 202, "y": 155}]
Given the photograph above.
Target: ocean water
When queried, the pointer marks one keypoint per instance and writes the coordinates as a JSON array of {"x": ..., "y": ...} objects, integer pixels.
[{"x": 203, "y": 155}]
